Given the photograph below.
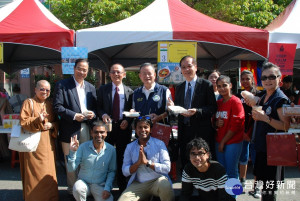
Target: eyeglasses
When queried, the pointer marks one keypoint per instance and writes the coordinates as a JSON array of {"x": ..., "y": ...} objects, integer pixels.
[
  {"x": 116, "y": 72},
  {"x": 42, "y": 90},
  {"x": 194, "y": 155},
  {"x": 270, "y": 77},
  {"x": 82, "y": 70}
]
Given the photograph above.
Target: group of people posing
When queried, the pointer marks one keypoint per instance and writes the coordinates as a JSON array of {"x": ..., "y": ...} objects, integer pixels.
[{"x": 214, "y": 135}]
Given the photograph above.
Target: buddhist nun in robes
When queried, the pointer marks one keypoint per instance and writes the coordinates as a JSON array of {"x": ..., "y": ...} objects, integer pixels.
[{"x": 38, "y": 171}]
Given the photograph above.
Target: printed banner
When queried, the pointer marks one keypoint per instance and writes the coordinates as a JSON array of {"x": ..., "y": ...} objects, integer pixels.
[
  {"x": 69, "y": 55},
  {"x": 1, "y": 54},
  {"x": 169, "y": 73},
  {"x": 169, "y": 54},
  {"x": 283, "y": 54}
]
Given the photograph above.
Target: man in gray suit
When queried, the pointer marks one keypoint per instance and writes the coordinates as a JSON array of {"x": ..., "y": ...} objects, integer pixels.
[
  {"x": 75, "y": 103},
  {"x": 112, "y": 100}
]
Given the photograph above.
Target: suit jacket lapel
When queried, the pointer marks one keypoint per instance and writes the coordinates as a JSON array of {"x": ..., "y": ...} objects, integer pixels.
[
  {"x": 183, "y": 92},
  {"x": 126, "y": 93},
  {"x": 75, "y": 94},
  {"x": 109, "y": 97},
  {"x": 197, "y": 84}
]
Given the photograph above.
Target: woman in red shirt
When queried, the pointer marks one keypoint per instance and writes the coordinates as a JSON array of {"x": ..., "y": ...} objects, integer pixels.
[{"x": 230, "y": 119}]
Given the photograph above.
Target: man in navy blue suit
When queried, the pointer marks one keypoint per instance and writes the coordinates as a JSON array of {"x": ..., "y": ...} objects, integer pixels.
[
  {"x": 75, "y": 103},
  {"x": 107, "y": 104}
]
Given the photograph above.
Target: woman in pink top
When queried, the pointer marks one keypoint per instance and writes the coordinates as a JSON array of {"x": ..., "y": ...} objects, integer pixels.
[{"x": 230, "y": 119}]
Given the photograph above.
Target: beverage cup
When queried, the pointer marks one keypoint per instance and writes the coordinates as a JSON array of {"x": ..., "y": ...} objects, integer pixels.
[
  {"x": 109, "y": 126},
  {"x": 257, "y": 108}
]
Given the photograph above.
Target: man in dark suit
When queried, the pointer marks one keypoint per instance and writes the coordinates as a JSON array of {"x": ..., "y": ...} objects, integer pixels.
[
  {"x": 201, "y": 105},
  {"x": 75, "y": 103},
  {"x": 112, "y": 100}
]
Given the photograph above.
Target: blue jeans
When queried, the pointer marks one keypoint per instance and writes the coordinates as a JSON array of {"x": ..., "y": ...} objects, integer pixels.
[
  {"x": 230, "y": 158},
  {"x": 245, "y": 153}
]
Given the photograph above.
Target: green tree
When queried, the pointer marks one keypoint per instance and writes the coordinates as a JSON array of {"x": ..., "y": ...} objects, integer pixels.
[
  {"x": 251, "y": 13},
  {"x": 80, "y": 14}
]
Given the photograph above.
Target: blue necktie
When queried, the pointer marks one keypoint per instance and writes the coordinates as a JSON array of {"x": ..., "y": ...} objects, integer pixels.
[{"x": 187, "y": 101}]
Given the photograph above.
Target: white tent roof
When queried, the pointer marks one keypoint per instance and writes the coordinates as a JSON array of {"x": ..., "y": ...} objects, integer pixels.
[
  {"x": 286, "y": 28},
  {"x": 133, "y": 41}
]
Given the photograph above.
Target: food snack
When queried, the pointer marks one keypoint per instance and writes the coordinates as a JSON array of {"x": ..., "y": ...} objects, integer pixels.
[
  {"x": 163, "y": 73},
  {"x": 249, "y": 98}
]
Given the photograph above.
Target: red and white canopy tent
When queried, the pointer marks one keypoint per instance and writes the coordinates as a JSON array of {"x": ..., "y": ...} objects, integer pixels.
[
  {"x": 32, "y": 35},
  {"x": 133, "y": 41},
  {"x": 286, "y": 28}
]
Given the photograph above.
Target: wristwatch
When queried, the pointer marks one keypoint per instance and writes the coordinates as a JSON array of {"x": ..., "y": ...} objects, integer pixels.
[{"x": 148, "y": 163}]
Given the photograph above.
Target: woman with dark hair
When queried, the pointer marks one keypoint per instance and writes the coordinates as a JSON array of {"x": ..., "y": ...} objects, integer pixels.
[
  {"x": 270, "y": 119},
  {"x": 203, "y": 174},
  {"x": 230, "y": 119},
  {"x": 212, "y": 77},
  {"x": 247, "y": 82}
]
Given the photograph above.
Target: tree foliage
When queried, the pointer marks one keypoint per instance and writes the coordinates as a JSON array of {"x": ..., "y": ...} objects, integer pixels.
[
  {"x": 79, "y": 14},
  {"x": 251, "y": 13}
]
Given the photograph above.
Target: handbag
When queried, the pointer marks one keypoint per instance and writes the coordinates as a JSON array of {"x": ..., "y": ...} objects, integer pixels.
[
  {"x": 281, "y": 149},
  {"x": 161, "y": 132},
  {"x": 27, "y": 141}
]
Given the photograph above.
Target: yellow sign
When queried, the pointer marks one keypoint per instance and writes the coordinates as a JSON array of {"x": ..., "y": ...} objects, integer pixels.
[
  {"x": 173, "y": 51},
  {"x": 1, "y": 54}
]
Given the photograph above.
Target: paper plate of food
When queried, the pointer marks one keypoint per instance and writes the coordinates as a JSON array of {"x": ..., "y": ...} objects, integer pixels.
[
  {"x": 131, "y": 114},
  {"x": 177, "y": 109}
]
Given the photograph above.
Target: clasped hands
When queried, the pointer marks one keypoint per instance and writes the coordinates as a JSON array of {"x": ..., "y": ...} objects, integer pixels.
[{"x": 142, "y": 156}]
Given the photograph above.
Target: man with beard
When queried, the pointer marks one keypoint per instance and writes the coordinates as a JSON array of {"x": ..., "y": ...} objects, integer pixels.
[{"x": 97, "y": 160}]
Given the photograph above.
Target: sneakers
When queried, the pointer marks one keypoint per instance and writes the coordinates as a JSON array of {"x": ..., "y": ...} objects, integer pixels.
[{"x": 256, "y": 193}]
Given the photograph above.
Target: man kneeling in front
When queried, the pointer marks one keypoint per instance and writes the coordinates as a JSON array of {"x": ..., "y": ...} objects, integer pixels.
[
  {"x": 97, "y": 160},
  {"x": 147, "y": 161}
]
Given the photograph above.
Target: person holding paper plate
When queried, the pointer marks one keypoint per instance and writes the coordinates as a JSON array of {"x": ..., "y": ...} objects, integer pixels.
[
  {"x": 151, "y": 98},
  {"x": 270, "y": 119},
  {"x": 197, "y": 96},
  {"x": 38, "y": 171},
  {"x": 112, "y": 100}
]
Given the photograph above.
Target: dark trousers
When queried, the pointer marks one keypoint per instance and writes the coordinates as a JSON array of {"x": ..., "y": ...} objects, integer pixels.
[
  {"x": 267, "y": 173},
  {"x": 188, "y": 133},
  {"x": 119, "y": 138},
  {"x": 184, "y": 138}
]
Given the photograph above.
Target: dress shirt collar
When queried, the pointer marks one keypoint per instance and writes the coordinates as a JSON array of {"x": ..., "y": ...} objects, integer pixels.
[
  {"x": 78, "y": 85},
  {"x": 151, "y": 88},
  {"x": 121, "y": 88},
  {"x": 91, "y": 145},
  {"x": 192, "y": 82}
]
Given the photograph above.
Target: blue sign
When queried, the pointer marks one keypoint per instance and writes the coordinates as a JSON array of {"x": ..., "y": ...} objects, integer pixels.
[
  {"x": 69, "y": 55},
  {"x": 25, "y": 73}
]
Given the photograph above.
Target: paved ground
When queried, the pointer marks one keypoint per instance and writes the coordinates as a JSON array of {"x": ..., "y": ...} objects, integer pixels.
[{"x": 11, "y": 187}]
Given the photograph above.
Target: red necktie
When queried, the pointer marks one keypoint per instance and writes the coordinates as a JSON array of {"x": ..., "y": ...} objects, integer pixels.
[{"x": 116, "y": 105}]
